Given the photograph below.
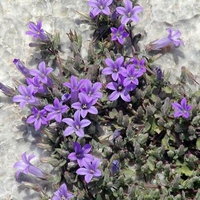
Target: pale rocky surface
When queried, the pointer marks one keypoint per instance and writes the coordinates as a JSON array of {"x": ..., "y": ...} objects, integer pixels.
[{"x": 59, "y": 15}]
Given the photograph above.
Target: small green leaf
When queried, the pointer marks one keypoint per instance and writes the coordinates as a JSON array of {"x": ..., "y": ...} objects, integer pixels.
[
  {"x": 113, "y": 113},
  {"x": 147, "y": 127},
  {"x": 185, "y": 170},
  {"x": 151, "y": 163},
  {"x": 167, "y": 89},
  {"x": 198, "y": 144}
]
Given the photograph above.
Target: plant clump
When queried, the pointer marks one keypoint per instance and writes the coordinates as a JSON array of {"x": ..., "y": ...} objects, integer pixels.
[{"x": 113, "y": 125}]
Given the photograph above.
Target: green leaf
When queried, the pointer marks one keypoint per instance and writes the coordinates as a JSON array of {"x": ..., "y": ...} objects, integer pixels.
[
  {"x": 113, "y": 113},
  {"x": 198, "y": 144},
  {"x": 185, "y": 170},
  {"x": 158, "y": 129},
  {"x": 151, "y": 163},
  {"x": 168, "y": 90},
  {"x": 147, "y": 127}
]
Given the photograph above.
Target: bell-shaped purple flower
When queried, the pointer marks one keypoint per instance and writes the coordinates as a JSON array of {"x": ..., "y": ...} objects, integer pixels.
[
  {"x": 37, "y": 118},
  {"x": 81, "y": 154},
  {"x": 132, "y": 76},
  {"x": 182, "y": 109},
  {"x": 92, "y": 90},
  {"x": 99, "y": 7},
  {"x": 25, "y": 166},
  {"x": 128, "y": 12},
  {"x": 26, "y": 96},
  {"x": 119, "y": 34},
  {"x": 56, "y": 110},
  {"x": 139, "y": 65},
  {"x": 114, "y": 67},
  {"x": 85, "y": 105},
  {"x": 38, "y": 86},
  {"x": 119, "y": 90},
  {"x": 42, "y": 73},
  {"x": 77, "y": 125},
  {"x": 75, "y": 85},
  {"x": 36, "y": 31},
  {"x": 173, "y": 39},
  {"x": 90, "y": 170},
  {"x": 62, "y": 193}
]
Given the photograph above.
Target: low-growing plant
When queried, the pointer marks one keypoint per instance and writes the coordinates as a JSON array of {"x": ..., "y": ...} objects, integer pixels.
[{"x": 113, "y": 124}]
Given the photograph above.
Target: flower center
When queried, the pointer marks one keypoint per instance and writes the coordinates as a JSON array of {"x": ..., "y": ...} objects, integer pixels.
[
  {"x": 115, "y": 70},
  {"x": 119, "y": 88},
  {"x": 92, "y": 171},
  {"x": 84, "y": 106},
  {"x": 77, "y": 127},
  {"x": 79, "y": 155},
  {"x": 129, "y": 14},
  {"x": 101, "y": 7},
  {"x": 63, "y": 197}
]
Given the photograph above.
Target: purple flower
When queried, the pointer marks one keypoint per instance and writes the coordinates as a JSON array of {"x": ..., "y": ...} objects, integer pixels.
[
  {"x": 42, "y": 73},
  {"x": 24, "y": 166},
  {"x": 92, "y": 90},
  {"x": 139, "y": 65},
  {"x": 119, "y": 34},
  {"x": 38, "y": 86},
  {"x": 129, "y": 13},
  {"x": 182, "y": 109},
  {"x": 85, "y": 105},
  {"x": 75, "y": 87},
  {"x": 22, "y": 68},
  {"x": 132, "y": 76},
  {"x": 99, "y": 7},
  {"x": 76, "y": 125},
  {"x": 173, "y": 39},
  {"x": 56, "y": 110},
  {"x": 115, "y": 15},
  {"x": 114, "y": 67},
  {"x": 114, "y": 168},
  {"x": 37, "y": 117},
  {"x": 90, "y": 170},
  {"x": 81, "y": 154},
  {"x": 62, "y": 193},
  {"x": 36, "y": 31},
  {"x": 119, "y": 90},
  {"x": 26, "y": 96}
]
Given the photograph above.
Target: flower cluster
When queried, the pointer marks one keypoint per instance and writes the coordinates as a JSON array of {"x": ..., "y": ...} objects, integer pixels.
[
  {"x": 125, "y": 76},
  {"x": 87, "y": 163}
]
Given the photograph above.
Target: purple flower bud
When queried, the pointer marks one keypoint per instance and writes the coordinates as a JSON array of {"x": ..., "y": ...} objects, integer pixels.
[
  {"x": 116, "y": 134},
  {"x": 65, "y": 97},
  {"x": 22, "y": 68},
  {"x": 159, "y": 74},
  {"x": 7, "y": 90},
  {"x": 114, "y": 168}
]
